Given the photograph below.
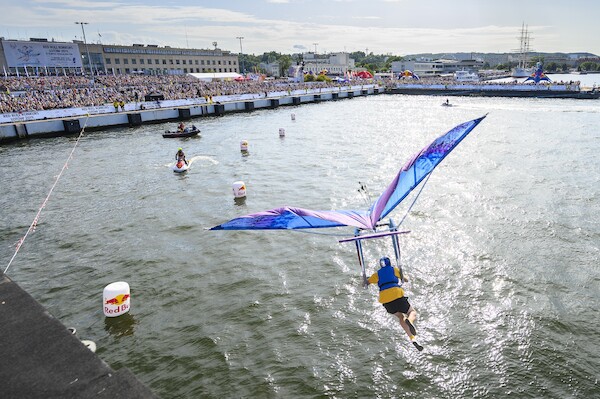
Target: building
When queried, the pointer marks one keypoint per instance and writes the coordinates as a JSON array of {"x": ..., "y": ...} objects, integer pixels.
[
  {"x": 27, "y": 57},
  {"x": 424, "y": 67},
  {"x": 271, "y": 68},
  {"x": 335, "y": 63}
]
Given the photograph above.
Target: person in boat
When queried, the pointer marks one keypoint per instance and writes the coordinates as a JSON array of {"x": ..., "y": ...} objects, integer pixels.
[
  {"x": 180, "y": 156},
  {"x": 447, "y": 102},
  {"x": 391, "y": 296},
  {"x": 181, "y": 127}
]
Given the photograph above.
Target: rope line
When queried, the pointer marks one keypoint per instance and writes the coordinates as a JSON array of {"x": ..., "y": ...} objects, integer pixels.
[
  {"x": 37, "y": 216},
  {"x": 415, "y": 200}
]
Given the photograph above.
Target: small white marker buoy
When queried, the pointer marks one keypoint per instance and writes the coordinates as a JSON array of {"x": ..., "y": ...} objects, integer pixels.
[
  {"x": 91, "y": 345},
  {"x": 281, "y": 132},
  {"x": 116, "y": 299},
  {"x": 293, "y": 117},
  {"x": 244, "y": 145},
  {"x": 239, "y": 189}
]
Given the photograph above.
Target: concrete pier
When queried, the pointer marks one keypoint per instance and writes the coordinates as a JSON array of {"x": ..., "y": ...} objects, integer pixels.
[
  {"x": 42, "y": 359},
  {"x": 140, "y": 113}
]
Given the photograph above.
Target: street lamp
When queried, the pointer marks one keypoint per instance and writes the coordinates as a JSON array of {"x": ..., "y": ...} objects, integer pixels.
[
  {"x": 241, "y": 51},
  {"x": 86, "y": 46}
]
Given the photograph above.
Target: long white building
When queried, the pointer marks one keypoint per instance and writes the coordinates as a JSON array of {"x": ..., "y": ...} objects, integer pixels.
[{"x": 41, "y": 56}]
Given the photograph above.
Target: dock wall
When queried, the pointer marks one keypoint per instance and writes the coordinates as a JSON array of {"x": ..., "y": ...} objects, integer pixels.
[{"x": 54, "y": 123}]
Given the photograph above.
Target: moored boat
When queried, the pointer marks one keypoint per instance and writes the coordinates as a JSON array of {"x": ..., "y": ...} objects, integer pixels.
[
  {"x": 466, "y": 76},
  {"x": 187, "y": 132}
]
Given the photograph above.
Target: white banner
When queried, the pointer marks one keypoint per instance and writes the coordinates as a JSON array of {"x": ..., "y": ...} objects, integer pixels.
[{"x": 40, "y": 54}]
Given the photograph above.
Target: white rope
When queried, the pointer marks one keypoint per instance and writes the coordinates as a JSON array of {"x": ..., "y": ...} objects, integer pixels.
[
  {"x": 37, "y": 217},
  {"x": 415, "y": 200}
]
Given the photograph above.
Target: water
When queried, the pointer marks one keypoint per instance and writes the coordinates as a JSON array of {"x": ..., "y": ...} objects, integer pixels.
[{"x": 503, "y": 252}]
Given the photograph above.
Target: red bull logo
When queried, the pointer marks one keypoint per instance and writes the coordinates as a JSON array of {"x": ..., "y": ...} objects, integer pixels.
[
  {"x": 116, "y": 306},
  {"x": 118, "y": 300}
]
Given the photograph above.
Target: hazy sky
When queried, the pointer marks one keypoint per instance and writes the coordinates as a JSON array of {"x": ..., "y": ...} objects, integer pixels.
[{"x": 396, "y": 27}]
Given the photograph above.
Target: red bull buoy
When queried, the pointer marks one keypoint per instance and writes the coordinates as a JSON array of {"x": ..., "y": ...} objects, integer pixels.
[
  {"x": 244, "y": 146},
  {"x": 116, "y": 299},
  {"x": 239, "y": 189},
  {"x": 281, "y": 132}
]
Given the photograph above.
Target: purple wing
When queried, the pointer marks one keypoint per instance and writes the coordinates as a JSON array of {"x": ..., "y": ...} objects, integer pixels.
[
  {"x": 415, "y": 170},
  {"x": 405, "y": 181},
  {"x": 296, "y": 218}
]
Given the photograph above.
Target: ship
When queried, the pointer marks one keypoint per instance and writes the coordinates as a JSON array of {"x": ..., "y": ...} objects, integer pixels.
[{"x": 521, "y": 70}]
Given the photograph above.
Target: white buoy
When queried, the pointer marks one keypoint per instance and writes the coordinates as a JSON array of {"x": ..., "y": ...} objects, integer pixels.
[
  {"x": 116, "y": 299},
  {"x": 239, "y": 189},
  {"x": 91, "y": 345},
  {"x": 281, "y": 132},
  {"x": 293, "y": 117},
  {"x": 244, "y": 145}
]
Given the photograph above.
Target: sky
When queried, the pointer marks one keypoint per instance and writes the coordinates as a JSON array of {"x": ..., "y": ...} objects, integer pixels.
[{"x": 395, "y": 27}]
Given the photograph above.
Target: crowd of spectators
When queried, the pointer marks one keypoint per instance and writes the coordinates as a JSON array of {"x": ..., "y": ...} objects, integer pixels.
[{"x": 21, "y": 94}]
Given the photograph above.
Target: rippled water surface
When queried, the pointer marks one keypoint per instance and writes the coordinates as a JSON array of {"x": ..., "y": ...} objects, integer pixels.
[{"x": 503, "y": 253}]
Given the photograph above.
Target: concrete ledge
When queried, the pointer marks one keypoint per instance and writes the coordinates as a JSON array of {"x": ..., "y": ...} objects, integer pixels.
[
  {"x": 73, "y": 125},
  {"x": 42, "y": 359}
]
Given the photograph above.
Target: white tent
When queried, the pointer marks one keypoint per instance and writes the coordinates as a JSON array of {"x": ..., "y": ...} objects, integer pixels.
[{"x": 211, "y": 76}]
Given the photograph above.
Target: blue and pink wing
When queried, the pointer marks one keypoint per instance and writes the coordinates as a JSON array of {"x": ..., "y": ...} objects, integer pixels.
[
  {"x": 415, "y": 170},
  {"x": 411, "y": 174},
  {"x": 295, "y": 218}
]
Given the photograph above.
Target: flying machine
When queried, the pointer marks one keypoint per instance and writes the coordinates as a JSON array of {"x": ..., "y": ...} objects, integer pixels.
[{"x": 368, "y": 224}]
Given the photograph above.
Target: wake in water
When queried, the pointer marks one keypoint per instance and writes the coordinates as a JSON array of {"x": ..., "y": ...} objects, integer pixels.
[{"x": 205, "y": 158}]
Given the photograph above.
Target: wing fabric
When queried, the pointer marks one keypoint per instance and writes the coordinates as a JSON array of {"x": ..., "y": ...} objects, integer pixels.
[
  {"x": 418, "y": 168},
  {"x": 405, "y": 181},
  {"x": 296, "y": 218}
]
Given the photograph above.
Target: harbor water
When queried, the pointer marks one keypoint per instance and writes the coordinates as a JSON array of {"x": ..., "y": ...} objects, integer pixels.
[{"x": 503, "y": 252}]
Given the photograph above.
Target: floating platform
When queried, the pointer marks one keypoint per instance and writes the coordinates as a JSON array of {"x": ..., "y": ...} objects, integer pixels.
[
  {"x": 41, "y": 358},
  {"x": 497, "y": 90}
]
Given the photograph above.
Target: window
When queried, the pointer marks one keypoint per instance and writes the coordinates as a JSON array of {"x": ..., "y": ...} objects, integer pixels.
[
  {"x": 142, "y": 61},
  {"x": 125, "y": 61},
  {"x": 177, "y": 62},
  {"x": 190, "y": 61},
  {"x": 157, "y": 61},
  {"x": 164, "y": 62},
  {"x": 202, "y": 63},
  {"x": 150, "y": 61},
  {"x": 184, "y": 62},
  {"x": 196, "y": 62},
  {"x": 133, "y": 61},
  {"x": 108, "y": 60},
  {"x": 219, "y": 62},
  {"x": 171, "y": 62},
  {"x": 117, "y": 60}
]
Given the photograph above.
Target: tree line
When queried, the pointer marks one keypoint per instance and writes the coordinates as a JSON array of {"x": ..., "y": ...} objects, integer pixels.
[{"x": 383, "y": 63}]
